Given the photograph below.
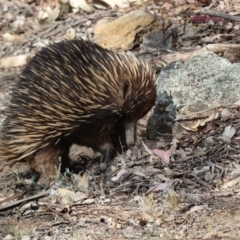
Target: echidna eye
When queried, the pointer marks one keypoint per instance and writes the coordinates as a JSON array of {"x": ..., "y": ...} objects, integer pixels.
[{"x": 125, "y": 88}]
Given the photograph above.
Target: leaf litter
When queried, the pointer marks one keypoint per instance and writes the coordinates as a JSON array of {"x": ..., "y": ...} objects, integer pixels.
[
  {"x": 176, "y": 182},
  {"x": 185, "y": 188}
]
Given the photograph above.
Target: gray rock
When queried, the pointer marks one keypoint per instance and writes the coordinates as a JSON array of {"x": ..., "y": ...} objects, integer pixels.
[
  {"x": 196, "y": 85},
  {"x": 163, "y": 117},
  {"x": 160, "y": 40}
]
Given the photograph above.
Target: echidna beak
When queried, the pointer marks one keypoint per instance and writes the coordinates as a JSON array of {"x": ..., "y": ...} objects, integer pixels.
[{"x": 130, "y": 133}]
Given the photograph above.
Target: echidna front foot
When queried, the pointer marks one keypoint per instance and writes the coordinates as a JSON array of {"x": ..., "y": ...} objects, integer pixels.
[{"x": 106, "y": 149}]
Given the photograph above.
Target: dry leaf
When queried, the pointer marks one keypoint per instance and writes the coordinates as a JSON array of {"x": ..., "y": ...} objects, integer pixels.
[
  {"x": 169, "y": 172},
  {"x": 66, "y": 216},
  {"x": 159, "y": 187},
  {"x": 48, "y": 15},
  {"x": 193, "y": 128},
  {"x": 196, "y": 208},
  {"x": 117, "y": 3},
  {"x": 68, "y": 196},
  {"x": 8, "y": 37},
  {"x": 231, "y": 183},
  {"x": 237, "y": 103},
  {"x": 138, "y": 172},
  {"x": 225, "y": 114},
  {"x": 118, "y": 226},
  {"x": 70, "y": 34},
  {"x": 15, "y": 61},
  {"x": 81, "y": 4},
  {"x": 146, "y": 148},
  {"x": 120, "y": 173},
  {"x": 212, "y": 116},
  {"x": 164, "y": 155},
  {"x": 204, "y": 19},
  {"x": 229, "y": 131},
  {"x": 54, "y": 14},
  {"x": 182, "y": 153},
  {"x": 173, "y": 148}
]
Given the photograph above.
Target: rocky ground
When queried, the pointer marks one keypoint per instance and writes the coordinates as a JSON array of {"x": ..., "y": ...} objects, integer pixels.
[{"x": 176, "y": 186}]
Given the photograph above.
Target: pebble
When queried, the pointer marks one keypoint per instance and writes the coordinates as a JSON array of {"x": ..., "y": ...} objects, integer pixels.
[
  {"x": 9, "y": 237},
  {"x": 9, "y": 16},
  {"x": 88, "y": 23},
  {"x": 26, "y": 237},
  {"x": 90, "y": 30},
  {"x": 70, "y": 34}
]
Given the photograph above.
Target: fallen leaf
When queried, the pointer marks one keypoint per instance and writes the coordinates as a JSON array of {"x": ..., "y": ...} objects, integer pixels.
[
  {"x": 68, "y": 196},
  {"x": 146, "y": 148},
  {"x": 182, "y": 153},
  {"x": 205, "y": 19},
  {"x": 193, "y": 128},
  {"x": 164, "y": 155},
  {"x": 48, "y": 15},
  {"x": 119, "y": 174},
  {"x": 137, "y": 171},
  {"x": 169, "y": 172},
  {"x": 14, "y": 61},
  {"x": 173, "y": 147},
  {"x": 197, "y": 208},
  {"x": 8, "y": 37},
  {"x": 237, "y": 103},
  {"x": 231, "y": 183},
  {"x": 229, "y": 131},
  {"x": 116, "y": 3},
  {"x": 70, "y": 34},
  {"x": 214, "y": 114},
  {"x": 159, "y": 187},
  {"x": 225, "y": 114},
  {"x": 81, "y": 4}
]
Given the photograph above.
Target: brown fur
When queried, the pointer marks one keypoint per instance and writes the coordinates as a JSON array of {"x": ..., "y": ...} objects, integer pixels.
[{"x": 45, "y": 162}]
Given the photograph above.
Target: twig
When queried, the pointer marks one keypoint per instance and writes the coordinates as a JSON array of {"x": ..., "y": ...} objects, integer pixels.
[
  {"x": 220, "y": 14},
  {"x": 16, "y": 203},
  {"x": 11, "y": 198}
]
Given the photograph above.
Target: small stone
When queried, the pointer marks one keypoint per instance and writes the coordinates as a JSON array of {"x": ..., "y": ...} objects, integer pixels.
[
  {"x": 5, "y": 8},
  {"x": 70, "y": 34},
  {"x": 88, "y": 23},
  {"x": 26, "y": 237},
  {"x": 9, "y": 237},
  {"x": 103, "y": 167},
  {"x": 8, "y": 37},
  {"x": 84, "y": 37},
  {"x": 47, "y": 238},
  {"x": 9, "y": 16},
  {"x": 18, "y": 23},
  {"x": 90, "y": 30}
]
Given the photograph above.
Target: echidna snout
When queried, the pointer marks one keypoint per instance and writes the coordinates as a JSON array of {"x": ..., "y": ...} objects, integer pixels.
[{"x": 130, "y": 129}]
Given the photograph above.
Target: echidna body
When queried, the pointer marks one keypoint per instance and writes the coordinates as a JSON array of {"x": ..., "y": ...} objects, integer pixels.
[{"x": 74, "y": 92}]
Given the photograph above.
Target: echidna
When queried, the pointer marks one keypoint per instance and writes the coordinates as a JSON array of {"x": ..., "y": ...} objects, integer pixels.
[{"x": 74, "y": 92}]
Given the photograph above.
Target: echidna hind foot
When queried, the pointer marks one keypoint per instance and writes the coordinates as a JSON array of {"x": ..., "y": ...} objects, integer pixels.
[{"x": 46, "y": 162}]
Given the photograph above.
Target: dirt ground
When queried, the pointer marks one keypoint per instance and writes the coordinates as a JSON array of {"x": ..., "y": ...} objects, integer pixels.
[{"x": 163, "y": 189}]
